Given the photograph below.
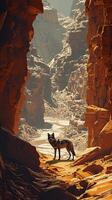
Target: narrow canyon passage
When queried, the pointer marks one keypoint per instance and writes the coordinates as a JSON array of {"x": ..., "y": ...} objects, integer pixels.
[{"x": 68, "y": 92}]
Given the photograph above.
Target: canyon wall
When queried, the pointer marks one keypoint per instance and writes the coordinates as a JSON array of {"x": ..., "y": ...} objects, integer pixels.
[
  {"x": 74, "y": 46},
  {"x": 99, "y": 86},
  {"x": 69, "y": 66},
  {"x": 38, "y": 89},
  {"x": 63, "y": 6},
  {"x": 48, "y": 34},
  {"x": 16, "y": 18}
]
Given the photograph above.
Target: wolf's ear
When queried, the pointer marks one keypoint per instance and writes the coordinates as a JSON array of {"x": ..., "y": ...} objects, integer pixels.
[{"x": 48, "y": 134}]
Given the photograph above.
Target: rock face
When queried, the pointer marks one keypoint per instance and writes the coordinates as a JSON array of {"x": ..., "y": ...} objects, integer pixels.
[
  {"x": 48, "y": 34},
  {"x": 99, "y": 90},
  {"x": 105, "y": 136},
  {"x": 16, "y": 18},
  {"x": 74, "y": 47},
  {"x": 38, "y": 89},
  {"x": 17, "y": 150},
  {"x": 97, "y": 174},
  {"x": 63, "y": 6},
  {"x": 69, "y": 67}
]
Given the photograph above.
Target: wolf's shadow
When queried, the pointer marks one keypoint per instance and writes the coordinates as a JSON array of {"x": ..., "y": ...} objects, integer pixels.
[{"x": 50, "y": 162}]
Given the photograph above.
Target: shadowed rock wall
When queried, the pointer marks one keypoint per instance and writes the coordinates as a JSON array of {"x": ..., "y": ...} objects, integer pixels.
[{"x": 16, "y": 18}]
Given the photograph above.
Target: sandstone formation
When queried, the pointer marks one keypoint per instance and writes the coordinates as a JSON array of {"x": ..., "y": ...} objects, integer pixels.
[
  {"x": 72, "y": 183},
  {"x": 99, "y": 86},
  {"x": 98, "y": 175},
  {"x": 73, "y": 49},
  {"x": 89, "y": 176},
  {"x": 15, "y": 33},
  {"x": 77, "y": 87},
  {"x": 20, "y": 182},
  {"x": 33, "y": 110},
  {"x": 17, "y": 150},
  {"x": 48, "y": 34},
  {"x": 96, "y": 118},
  {"x": 105, "y": 136},
  {"x": 38, "y": 89}
]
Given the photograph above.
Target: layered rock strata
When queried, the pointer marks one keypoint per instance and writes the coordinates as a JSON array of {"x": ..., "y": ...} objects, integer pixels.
[
  {"x": 99, "y": 86},
  {"x": 15, "y": 33}
]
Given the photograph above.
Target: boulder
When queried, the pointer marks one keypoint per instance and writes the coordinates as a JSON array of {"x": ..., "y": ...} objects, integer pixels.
[
  {"x": 105, "y": 137},
  {"x": 18, "y": 150},
  {"x": 89, "y": 155}
]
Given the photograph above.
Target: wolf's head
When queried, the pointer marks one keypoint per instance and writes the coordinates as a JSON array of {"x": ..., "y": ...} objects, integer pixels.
[{"x": 51, "y": 137}]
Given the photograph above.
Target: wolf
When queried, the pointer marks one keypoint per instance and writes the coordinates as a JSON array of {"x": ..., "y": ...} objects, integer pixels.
[{"x": 59, "y": 144}]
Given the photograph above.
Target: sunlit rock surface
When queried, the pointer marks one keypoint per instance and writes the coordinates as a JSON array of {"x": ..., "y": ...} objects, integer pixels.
[
  {"x": 99, "y": 90},
  {"x": 69, "y": 67},
  {"x": 38, "y": 89},
  {"x": 74, "y": 48}
]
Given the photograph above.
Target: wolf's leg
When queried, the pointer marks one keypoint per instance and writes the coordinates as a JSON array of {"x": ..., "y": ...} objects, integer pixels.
[
  {"x": 73, "y": 154},
  {"x": 69, "y": 154},
  {"x": 55, "y": 150},
  {"x": 59, "y": 153}
]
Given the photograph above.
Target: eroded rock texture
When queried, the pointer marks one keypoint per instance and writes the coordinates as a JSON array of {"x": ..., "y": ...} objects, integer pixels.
[
  {"x": 38, "y": 89},
  {"x": 20, "y": 182},
  {"x": 60, "y": 6},
  {"x": 74, "y": 47},
  {"x": 48, "y": 34},
  {"x": 16, "y": 18},
  {"x": 69, "y": 67},
  {"x": 99, "y": 91}
]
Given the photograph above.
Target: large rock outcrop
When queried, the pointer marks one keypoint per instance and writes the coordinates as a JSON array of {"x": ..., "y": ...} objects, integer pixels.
[
  {"x": 17, "y": 150},
  {"x": 74, "y": 47},
  {"x": 99, "y": 86},
  {"x": 48, "y": 34},
  {"x": 38, "y": 89},
  {"x": 69, "y": 67},
  {"x": 16, "y": 18},
  {"x": 20, "y": 182}
]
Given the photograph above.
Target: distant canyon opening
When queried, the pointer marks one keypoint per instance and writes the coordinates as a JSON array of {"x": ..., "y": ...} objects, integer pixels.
[{"x": 56, "y": 86}]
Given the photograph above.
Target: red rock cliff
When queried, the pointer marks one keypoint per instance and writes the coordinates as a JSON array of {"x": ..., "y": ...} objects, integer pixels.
[
  {"x": 16, "y": 18},
  {"x": 99, "y": 90}
]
